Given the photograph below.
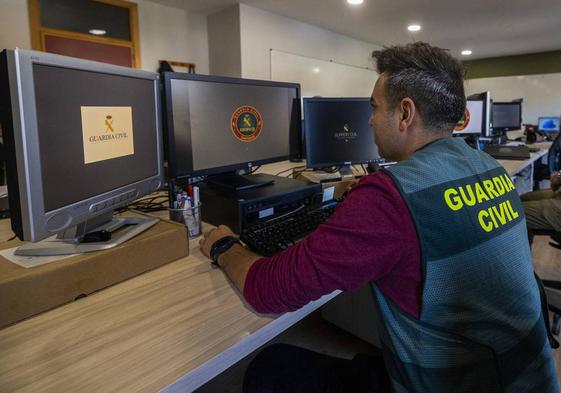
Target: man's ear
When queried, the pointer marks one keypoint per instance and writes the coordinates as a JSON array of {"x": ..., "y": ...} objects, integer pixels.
[{"x": 408, "y": 111}]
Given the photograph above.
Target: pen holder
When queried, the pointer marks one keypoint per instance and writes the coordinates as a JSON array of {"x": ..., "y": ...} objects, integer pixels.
[{"x": 190, "y": 217}]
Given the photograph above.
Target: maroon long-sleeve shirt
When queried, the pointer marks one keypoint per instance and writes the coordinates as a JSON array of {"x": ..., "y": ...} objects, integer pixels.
[{"x": 369, "y": 237}]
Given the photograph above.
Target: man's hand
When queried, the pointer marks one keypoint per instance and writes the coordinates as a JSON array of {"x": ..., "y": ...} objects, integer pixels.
[
  {"x": 212, "y": 236},
  {"x": 555, "y": 179},
  {"x": 350, "y": 186}
]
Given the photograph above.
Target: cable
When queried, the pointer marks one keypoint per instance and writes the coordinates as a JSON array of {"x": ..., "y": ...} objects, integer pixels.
[{"x": 290, "y": 169}]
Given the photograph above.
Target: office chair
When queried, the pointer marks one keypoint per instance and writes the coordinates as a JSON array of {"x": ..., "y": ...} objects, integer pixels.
[
  {"x": 554, "y": 155},
  {"x": 541, "y": 171}
]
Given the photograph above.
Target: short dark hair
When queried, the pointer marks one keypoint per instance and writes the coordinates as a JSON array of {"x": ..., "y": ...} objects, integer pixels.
[{"x": 428, "y": 75}]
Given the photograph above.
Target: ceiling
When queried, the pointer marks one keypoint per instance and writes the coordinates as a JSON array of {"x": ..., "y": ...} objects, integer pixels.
[{"x": 490, "y": 28}]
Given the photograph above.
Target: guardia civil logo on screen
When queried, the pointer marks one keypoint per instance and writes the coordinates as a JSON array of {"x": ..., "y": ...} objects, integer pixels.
[{"x": 246, "y": 123}]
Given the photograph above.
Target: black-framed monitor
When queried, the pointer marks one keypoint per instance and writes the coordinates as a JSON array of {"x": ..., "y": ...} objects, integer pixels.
[
  {"x": 337, "y": 132},
  {"x": 506, "y": 116},
  {"x": 551, "y": 124},
  {"x": 474, "y": 120},
  {"x": 218, "y": 125},
  {"x": 82, "y": 138}
]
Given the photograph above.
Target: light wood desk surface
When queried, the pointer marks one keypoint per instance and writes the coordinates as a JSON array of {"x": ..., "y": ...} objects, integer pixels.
[
  {"x": 513, "y": 167},
  {"x": 173, "y": 328}
]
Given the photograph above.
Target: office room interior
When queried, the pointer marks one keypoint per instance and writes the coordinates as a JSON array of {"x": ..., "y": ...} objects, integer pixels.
[{"x": 152, "y": 313}]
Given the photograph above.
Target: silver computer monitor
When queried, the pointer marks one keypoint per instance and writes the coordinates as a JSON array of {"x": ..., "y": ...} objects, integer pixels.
[
  {"x": 487, "y": 129},
  {"x": 473, "y": 122},
  {"x": 82, "y": 139}
]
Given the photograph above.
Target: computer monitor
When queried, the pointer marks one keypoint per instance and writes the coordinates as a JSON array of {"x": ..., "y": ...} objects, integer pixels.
[
  {"x": 485, "y": 97},
  {"x": 82, "y": 138},
  {"x": 337, "y": 132},
  {"x": 473, "y": 121},
  {"x": 549, "y": 124},
  {"x": 506, "y": 116},
  {"x": 217, "y": 125}
]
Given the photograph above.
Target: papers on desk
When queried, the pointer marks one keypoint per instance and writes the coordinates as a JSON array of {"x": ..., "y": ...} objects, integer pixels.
[{"x": 28, "y": 262}]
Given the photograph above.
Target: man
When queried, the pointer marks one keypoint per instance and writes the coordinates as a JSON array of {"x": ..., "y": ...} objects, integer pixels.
[
  {"x": 543, "y": 207},
  {"x": 440, "y": 237}
]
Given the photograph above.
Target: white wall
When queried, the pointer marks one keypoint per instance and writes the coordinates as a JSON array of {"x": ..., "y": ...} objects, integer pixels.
[
  {"x": 541, "y": 93},
  {"x": 165, "y": 33},
  {"x": 14, "y": 24},
  {"x": 224, "y": 42},
  {"x": 262, "y": 31},
  {"x": 168, "y": 33},
  {"x": 322, "y": 78}
]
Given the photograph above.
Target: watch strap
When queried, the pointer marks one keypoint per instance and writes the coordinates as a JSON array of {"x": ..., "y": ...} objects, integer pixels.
[{"x": 221, "y": 246}]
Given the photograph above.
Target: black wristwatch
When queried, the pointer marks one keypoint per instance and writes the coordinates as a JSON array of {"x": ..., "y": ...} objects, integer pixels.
[{"x": 221, "y": 246}]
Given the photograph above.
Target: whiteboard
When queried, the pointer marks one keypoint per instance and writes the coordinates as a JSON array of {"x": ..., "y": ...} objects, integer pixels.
[
  {"x": 541, "y": 93},
  {"x": 320, "y": 77}
]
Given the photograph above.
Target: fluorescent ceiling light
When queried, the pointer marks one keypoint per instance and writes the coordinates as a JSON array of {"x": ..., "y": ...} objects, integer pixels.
[
  {"x": 316, "y": 70},
  {"x": 355, "y": 2},
  {"x": 467, "y": 52},
  {"x": 97, "y": 32},
  {"x": 414, "y": 27}
]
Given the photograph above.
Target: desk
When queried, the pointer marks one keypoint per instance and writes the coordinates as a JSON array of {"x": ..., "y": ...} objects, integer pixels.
[
  {"x": 522, "y": 171},
  {"x": 173, "y": 328}
]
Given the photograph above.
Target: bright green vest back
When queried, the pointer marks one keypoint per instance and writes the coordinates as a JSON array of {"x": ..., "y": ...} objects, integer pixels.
[{"x": 481, "y": 327}]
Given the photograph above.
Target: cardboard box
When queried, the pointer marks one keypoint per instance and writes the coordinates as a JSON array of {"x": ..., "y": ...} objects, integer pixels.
[{"x": 27, "y": 292}]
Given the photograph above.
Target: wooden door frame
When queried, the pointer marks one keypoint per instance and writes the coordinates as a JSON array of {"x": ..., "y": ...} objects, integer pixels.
[{"x": 38, "y": 32}]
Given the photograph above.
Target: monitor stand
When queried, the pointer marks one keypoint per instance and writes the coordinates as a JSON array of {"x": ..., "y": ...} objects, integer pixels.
[
  {"x": 233, "y": 181},
  {"x": 346, "y": 171},
  {"x": 70, "y": 241}
]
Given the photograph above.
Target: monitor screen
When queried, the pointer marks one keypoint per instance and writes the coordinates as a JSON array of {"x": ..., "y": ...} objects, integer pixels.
[
  {"x": 82, "y": 138},
  {"x": 549, "y": 124},
  {"x": 218, "y": 124},
  {"x": 337, "y": 132},
  {"x": 473, "y": 121},
  {"x": 103, "y": 123},
  {"x": 506, "y": 116}
]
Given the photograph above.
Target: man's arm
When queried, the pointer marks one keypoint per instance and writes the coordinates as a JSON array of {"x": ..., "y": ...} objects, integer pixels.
[
  {"x": 235, "y": 262},
  {"x": 370, "y": 237}
]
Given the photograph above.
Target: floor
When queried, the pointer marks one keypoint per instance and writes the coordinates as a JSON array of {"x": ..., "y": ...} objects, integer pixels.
[
  {"x": 547, "y": 264},
  {"x": 316, "y": 334}
]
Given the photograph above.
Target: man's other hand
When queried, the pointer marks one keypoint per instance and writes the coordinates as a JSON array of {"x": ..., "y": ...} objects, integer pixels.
[
  {"x": 210, "y": 237},
  {"x": 555, "y": 180}
]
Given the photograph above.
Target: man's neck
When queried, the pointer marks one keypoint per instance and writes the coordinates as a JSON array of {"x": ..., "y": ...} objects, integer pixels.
[{"x": 424, "y": 138}]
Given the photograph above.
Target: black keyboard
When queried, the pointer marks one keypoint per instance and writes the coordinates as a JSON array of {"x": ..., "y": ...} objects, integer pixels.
[{"x": 275, "y": 235}]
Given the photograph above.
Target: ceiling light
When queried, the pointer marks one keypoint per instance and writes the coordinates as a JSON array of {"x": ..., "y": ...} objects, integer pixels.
[
  {"x": 414, "y": 27},
  {"x": 355, "y": 2},
  {"x": 467, "y": 52},
  {"x": 316, "y": 70},
  {"x": 97, "y": 32}
]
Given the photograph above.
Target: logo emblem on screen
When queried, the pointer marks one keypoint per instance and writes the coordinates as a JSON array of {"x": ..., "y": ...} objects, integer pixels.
[
  {"x": 464, "y": 121},
  {"x": 246, "y": 123},
  {"x": 109, "y": 123},
  {"x": 346, "y": 135}
]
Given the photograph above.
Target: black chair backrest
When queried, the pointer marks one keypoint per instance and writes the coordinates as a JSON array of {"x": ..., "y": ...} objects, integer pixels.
[{"x": 554, "y": 156}]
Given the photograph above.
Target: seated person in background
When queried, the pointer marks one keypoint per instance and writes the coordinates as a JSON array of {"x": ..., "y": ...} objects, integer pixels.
[
  {"x": 441, "y": 239},
  {"x": 543, "y": 207}
]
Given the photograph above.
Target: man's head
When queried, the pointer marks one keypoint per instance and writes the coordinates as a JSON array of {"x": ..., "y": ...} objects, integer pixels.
[{"x": 418, "y": 97}]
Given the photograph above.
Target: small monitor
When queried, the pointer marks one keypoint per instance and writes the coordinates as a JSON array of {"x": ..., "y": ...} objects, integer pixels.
[
  {"x": 218, "y": 125},
  {"x": 549, "y": 124},
  {"x": 82, "y": 138},
  {"x": 473, "y": 121},
  {"x": 506, "y": 116},
  {"x": 337, "y": 132}
]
